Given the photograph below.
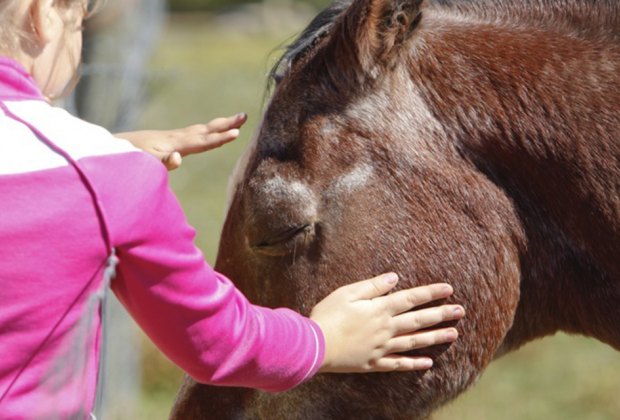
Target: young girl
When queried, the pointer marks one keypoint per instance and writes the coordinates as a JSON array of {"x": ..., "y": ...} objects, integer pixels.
[{"x": 78, "y": 201}]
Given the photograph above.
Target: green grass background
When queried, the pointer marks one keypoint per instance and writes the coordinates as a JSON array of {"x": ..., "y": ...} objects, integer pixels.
[{"x": 202, "y": 70}]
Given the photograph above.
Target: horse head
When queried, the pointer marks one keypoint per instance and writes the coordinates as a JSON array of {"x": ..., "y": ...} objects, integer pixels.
[{"x": 383, "y": 148}]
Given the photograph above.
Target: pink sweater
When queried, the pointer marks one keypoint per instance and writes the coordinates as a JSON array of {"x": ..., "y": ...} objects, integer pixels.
[{"x": 60, "y": 217}]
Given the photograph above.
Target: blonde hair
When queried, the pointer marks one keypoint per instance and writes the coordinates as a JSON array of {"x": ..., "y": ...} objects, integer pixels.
[{"x": 10, "y": 31}]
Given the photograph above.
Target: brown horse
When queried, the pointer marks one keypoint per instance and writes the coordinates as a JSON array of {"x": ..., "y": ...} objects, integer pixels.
[{"x": 475, "y": 142}]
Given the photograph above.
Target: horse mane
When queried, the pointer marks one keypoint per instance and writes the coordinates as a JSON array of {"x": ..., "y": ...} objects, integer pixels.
[
  {"x": 575, "y": 11},
  {"x": 584, "y": 17}
]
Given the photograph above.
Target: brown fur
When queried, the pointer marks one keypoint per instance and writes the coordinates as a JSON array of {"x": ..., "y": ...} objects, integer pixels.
[{"x": 492, "y": 130}]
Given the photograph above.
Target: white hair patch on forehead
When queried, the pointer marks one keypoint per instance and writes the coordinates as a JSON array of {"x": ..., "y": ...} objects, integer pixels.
[
  {"x": 353, "y": 180},
  {"x": 278, "y": 188}
]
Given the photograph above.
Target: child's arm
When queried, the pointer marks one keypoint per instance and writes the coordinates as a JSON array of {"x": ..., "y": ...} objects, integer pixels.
[{"x": 170, "y": 146}]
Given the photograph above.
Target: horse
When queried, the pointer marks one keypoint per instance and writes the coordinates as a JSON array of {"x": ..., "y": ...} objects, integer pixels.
[{"x": 475, "y": 142}]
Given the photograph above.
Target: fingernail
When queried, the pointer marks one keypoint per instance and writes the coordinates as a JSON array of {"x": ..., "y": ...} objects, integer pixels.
[
  {"x": 426, "y": 363},
  {"x": 458, "y": 311},
  {"x": 451, "y": 335},
  {"x": 390, "y": 278},
  {"x": 242, "y": 115}
]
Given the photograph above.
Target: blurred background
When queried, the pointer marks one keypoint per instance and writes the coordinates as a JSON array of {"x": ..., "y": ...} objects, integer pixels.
[{"x": 160, "y": 64}]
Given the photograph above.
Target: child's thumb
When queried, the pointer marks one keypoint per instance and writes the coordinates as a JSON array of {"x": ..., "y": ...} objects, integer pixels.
[{"x": 172, "y": 161}]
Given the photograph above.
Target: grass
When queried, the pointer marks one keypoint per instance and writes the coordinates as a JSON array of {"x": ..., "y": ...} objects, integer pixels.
[
  {"x": 203, "y": 71},
  {"x": 562, "y": 377}
]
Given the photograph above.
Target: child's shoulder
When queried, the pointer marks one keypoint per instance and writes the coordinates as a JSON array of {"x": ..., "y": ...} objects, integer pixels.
[{"x": 77, "y": 137}]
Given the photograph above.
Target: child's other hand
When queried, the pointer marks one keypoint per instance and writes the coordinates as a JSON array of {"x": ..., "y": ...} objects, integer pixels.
[
  {"x": 363, "y": 329},
  {"x": 171, "y": 145}
]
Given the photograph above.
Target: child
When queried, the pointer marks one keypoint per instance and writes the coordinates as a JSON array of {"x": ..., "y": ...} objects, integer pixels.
[{"x": 77, "y": 201}]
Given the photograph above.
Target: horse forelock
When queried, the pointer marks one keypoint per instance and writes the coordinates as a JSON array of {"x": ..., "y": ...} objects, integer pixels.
[{"x": 316, "y": 30}]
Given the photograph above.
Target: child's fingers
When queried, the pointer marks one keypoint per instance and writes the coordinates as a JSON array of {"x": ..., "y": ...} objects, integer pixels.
[
  {"x": 200, "y": 140},
  {"x": 426, "y": 318},
  {"x": 219, "y": 139},
  {"x": 401, "y": 364},
  {"x": 172, "y": 161},
  {"x": 405, "y": 300},
  {"x": 218, "y": 125},
  {"x": 371, "y": 288},
  {"x": 421, "y": 340}
]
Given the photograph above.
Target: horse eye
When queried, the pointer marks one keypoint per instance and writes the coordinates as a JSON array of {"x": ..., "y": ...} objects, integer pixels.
[{"x": 285, "y": 242}]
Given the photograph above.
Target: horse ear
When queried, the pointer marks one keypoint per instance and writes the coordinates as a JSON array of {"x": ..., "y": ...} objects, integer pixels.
[{"x": 373, "y": 31}]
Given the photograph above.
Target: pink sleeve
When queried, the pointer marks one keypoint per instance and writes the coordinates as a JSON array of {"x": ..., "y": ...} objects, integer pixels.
[{"x": 193, "y": 314}]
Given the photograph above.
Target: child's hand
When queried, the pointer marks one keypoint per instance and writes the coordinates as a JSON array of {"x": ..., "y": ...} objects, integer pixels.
[
  {"x": 170, "y": 146},
  {"x": 363, "y": 328}
]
